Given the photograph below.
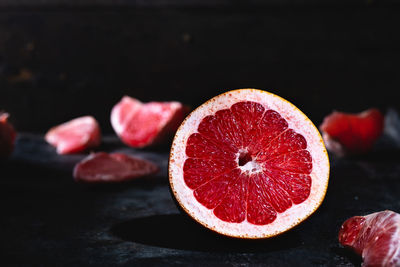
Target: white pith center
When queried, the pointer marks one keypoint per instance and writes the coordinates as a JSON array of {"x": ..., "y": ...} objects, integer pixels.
[{"x": 251, "y": 166}]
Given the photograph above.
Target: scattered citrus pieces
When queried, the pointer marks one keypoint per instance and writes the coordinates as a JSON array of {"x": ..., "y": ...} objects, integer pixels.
[
  {"x": 346, "y": 133},
  {"x": 75, "y": 136},
  {"x": 7, "y": 136},
  {"x": 112, "y": 168},
  {"x": 143, "y": 124},
  {"x": 375, "y": 237}
]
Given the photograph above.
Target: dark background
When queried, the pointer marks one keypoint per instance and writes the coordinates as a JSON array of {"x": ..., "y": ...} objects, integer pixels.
[{"x": 63, "y": 59}]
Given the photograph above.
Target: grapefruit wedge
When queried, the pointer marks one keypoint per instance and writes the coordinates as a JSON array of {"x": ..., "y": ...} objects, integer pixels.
[
  {"x": 376, "y": 237},
  {"x": 7, "y": 136},
  {"x": 347, "y": 133},
  {"x": 75, "y": 136},
  {"x": 102, "y": 167},
  {"x": 248, "y": 164},
  {"x": 144, "y": 124}
]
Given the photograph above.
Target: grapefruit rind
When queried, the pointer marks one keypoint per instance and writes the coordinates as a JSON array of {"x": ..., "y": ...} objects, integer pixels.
[{"x": 296, "y": 119}]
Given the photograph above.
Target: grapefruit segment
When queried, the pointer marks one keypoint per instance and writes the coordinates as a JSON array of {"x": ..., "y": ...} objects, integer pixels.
[
  {"x": 347, "y": 133},
  {"x": 248, "y": 164},
  {"x": 246, "y": 116},
  {"x": 376, "y": 237},
  {"x": 110, "y": 168},
  {"x": 259, "y": 207},
  {"x": 200, "y": 147},
  {"x": 142, "y": 124},
  {"x": 286, "y": 142},
  {"x": 222, "y": 130},
  {"x": 297, "y": 185},
  {"x": 75, "y": 136},
  {"x": 233, "y": 205},
  {"x": 270, "y": 126},
  {"x": 211, "y": 192},
  {"x": 199, "y": 171},
  {"x": 277, "y": 197},
  {"x": 7, "y": 136}
]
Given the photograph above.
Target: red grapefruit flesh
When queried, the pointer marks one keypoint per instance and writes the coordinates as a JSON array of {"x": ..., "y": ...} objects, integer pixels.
[
  {"x": 346, "y": 133},
  {"x": 142, "y": 124},
  {"x": 7, "y": 136},
  {"x": 111, "y": 168},
  {"x": 376, "y": 237},
  {"x": 248, "y": 164},
  {"x": 75, "y": 136}
]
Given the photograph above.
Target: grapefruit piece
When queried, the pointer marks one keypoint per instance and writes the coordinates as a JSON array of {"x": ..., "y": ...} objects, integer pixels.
[
  {"x": 111, "y": 168},
  {"x": 7, "y": 136},
  {"x": 346, "y": 133},
  {"x": 142, "y": 124},
  {"x": 75, "y": 136},
  {"x": 248, "y": 164},
  {"x": 376, "y": 237}
]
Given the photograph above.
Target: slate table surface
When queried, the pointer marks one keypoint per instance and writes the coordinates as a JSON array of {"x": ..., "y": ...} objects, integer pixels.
[{"x": 49, "y": 220}]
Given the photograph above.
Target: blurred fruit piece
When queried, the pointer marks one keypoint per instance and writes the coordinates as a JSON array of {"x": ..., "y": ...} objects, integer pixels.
[
  {"x": 110, "y": 168},
  {"x": 7, "y": 136},
  {"x": 392, "y": 127},
  {"x": 376, "y": 237},
  {"x": 346, "y": 133},
  {"x": 75, "y": 136},
  {"x": 142, "y": 124}
]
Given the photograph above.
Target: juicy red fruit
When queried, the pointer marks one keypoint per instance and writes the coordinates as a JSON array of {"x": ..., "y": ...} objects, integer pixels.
[
  {"x": 143, "y": 124},
  {"x": 7, "y": 136},
  {"x": 346, "y": 133},
  {"x": 110, "y": 168},
  {"x": 75, "y": 136},
  {"x": 376, "y": 237},
  {"x": 246, "y": 163}
]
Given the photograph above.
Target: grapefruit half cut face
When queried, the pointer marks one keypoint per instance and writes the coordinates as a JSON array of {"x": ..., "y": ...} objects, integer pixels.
[{"x": 248, "y": 164}]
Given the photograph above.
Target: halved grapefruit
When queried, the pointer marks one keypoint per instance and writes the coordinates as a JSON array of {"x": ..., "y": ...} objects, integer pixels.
[{"x": 248, "y": 164}]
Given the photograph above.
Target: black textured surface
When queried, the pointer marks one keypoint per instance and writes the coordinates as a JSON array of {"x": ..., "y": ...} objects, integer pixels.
[{"x": 49, "y": 220}]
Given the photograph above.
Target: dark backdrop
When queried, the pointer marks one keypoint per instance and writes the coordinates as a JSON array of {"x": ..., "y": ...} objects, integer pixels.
[
  {"x": 62, "y": 59},
  {"x": 65, "y": 58}
]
